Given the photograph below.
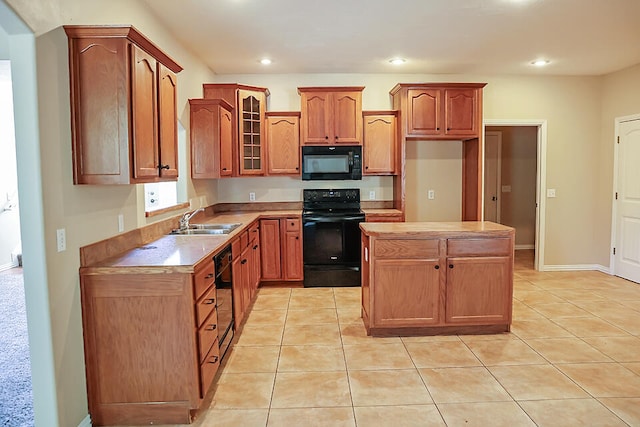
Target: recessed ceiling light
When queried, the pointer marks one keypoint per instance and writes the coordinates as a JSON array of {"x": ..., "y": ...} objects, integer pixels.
[
  {"x": 540, "y": 62},
  {"x": 265, "y": 61},
  {"x": 397, "y": 61}
]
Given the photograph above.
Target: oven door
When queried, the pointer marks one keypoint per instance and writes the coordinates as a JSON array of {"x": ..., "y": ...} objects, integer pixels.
[{"x": 331, "y": 252}]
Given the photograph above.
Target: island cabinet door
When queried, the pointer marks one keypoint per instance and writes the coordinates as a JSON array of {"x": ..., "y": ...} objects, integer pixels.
[
  {"x": 406, "y": 292},
  {"x": 478, "y": 290}
]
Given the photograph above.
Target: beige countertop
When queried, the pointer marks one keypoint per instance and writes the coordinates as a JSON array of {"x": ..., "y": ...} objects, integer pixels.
[
  {"x": 434, "y": 229},
  {"x": 389, "y": 212}
]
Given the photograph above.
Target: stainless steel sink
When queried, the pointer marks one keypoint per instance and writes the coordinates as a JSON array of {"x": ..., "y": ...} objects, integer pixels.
[{"x": 204, "y": 229}]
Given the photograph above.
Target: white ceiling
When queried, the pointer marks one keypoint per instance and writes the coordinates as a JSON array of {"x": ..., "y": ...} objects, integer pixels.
[{"x": 579, "y": 37}]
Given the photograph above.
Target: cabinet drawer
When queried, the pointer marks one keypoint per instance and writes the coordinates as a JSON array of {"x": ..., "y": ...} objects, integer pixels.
[
  {"x": 478, "y": 247},
  {"x": 204, "y": 278},
  {"x": 209, "y": 367},
  {"x": 404, "y": 248},
  {"x": 205, "y": 305},
  {"x": 254, "y": 232},
  {"x": 244, "y": 239},
  {"x": 207, "y": 334},
  {"x": 293, "y": 224}
]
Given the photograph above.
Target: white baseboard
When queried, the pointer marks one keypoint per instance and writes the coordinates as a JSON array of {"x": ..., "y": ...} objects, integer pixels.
[
  {"x": 86, "y": 422},
  {"x": 12, "y": 264},
  {"x": 521, "y": 247},
  {"x": 577, "y": 267}
]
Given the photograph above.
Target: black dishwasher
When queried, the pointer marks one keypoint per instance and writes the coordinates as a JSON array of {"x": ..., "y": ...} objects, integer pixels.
[{"x": 224, "y": 299}]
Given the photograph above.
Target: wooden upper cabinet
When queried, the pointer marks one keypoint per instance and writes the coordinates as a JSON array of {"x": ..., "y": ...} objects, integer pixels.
[
  {"x": 331, "y": 115},
  {"x": 439, "y": 110},
  {"x": 123, "y": 107},
  {"x": 249, "y": 104},
  {"x": 283, "y": 143},
  {"x": 380, "y": 142},
  {"x": 211, "y": 138}
]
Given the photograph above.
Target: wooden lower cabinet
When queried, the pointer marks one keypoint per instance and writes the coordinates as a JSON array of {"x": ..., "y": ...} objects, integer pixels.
[
  {"x": 281, "y": 252},
  {"x": 245, "y": 271},
  {"x": 150, "y": 341},
  {"x": 430, "y": 284}
]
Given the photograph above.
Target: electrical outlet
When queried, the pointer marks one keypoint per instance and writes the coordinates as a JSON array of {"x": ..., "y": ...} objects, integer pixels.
[
  {"x": 61, "y": 239},
  {"x": 372, "y": 195},
  {"x": 431, "y": 194},
  {"x": 252, "y": 197},
  {"x": 120, "y": 223}
]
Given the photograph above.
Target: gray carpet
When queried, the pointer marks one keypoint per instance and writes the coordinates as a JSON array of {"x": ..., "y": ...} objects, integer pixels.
[{"x": 16, "y": 397}]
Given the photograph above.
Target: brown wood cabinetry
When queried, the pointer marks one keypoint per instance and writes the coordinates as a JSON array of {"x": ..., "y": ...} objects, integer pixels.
[
  {"x": 380, "y": 142},
  {"x": 283, "y": 143},
  {"x": 245, "y": 267},
  {"x": 281, "y": 249},
  {"x": 436, "y": 278},
  {"x": 249, "y": 103},
  {"x": 123, "y": 107},
  {"x": 211, "y": 138},
  {"x": 383, "y": 217},
  {"x": 331, "y": 115},
  {"x": 151, "y": 347},
  {"x": 443, "y": 111},
  {"x": 440, "y": 111}
]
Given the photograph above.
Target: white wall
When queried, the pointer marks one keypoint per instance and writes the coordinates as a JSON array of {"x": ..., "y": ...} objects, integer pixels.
[{"x": 9, "y": 207}]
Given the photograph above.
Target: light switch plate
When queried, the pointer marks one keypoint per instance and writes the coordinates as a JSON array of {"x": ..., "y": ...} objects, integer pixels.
[
  {"x": 372, "y": 195},
  {"x": 431, "y": 194},
  {"x": 551, "y": 192},
  {"x": 61, "y": 239}
]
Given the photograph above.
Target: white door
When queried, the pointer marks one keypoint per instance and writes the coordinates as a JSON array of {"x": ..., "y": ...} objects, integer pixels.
[
  {"x": 492, "y": 176},
  {"x": 627, "y": 248}
]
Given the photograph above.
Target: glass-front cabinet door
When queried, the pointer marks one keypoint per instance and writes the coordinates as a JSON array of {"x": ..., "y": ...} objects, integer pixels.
[{"x": 250, "y": 133}]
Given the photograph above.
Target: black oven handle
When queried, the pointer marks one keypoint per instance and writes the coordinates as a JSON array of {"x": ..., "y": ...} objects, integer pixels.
[{"x": 320, "y": 218}]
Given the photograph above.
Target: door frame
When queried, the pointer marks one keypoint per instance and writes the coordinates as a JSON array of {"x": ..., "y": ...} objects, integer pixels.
[
  {"x": 614, "y": 211},
  {"x": 498, "y": 172},
  {"x": 541, "y": 179}
]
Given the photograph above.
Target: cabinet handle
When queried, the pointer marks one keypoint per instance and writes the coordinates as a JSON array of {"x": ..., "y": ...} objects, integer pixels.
[
  {"x": 255, "y": 247},
  {"x": 366, "y": 167},
  {"x": 297, "y": 168},
  {"x": 297, "y": 237},
  {"x": 161, "y": 166},
  {"x": 211, "y": 327},
  {"x": 244, "y": 261},
  {"x": 214, "y": 359},
  {"x": 437, "y": 128},
  {"x": 437, "y": 267},
  {"x": 336, "y": 136},
  {"x": 450, "y": 265},
  {"x": 224, "y": 169},
  {"x": 208, "y": 276},
  {"x": 326, "y": 137},
  {"x": 210, "y": 301},
  {"x": 448, "y": 129}
]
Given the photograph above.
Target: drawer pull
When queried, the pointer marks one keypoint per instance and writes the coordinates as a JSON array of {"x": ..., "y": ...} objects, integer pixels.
[
  {"x": 437, "y": 267},
  {"x": 211, "y": 327},
  {"x": 210, "y": 301},
  {"x": 208, "y": 276},
  {"x": 213, "y": 359}
]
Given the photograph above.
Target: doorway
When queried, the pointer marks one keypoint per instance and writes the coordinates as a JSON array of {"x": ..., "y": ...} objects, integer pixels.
[
  {"x": 514, "y": 153},
  {"x": 626, "y": 203}
]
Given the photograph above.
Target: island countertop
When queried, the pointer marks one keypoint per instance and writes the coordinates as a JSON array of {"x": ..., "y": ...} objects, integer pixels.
[{"x": 420, "y": 230}]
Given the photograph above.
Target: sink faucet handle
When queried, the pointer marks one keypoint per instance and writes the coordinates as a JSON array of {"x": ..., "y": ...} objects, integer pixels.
[{"x": 186, "y": 217}]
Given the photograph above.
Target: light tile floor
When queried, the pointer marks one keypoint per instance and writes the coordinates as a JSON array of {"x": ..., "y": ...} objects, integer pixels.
[{"x": 572, "y": 358}]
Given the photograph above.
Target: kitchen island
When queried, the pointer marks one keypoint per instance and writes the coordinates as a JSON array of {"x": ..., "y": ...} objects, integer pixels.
[{"x": 431, "y": 278}]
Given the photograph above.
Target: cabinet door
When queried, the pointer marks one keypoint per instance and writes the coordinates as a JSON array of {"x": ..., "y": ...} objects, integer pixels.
[
  {"x": 167, "y": 122},
  {"x": 292, "y": 251},
  {"x": 237, "y": 288},
  {"x": 283, "y": 142},
  {"x": 316, "y": 123},
  {"x": 478, "y": 290},
  {"x": 270, "y": 249},
  {"x": 461, "y": 112},
  {"x": 245, "y": 265},
  {"x": 425, "y": 110},
  {"x": 255, "y": 266},
  {"x": 379, "y": 144},
  {"x": 408, "y": 292},
  {"x": 226, "y": 142},
  {"x": 251, "y": 107},
  {"x": 347, "y": 118},
  {"x": 144, "y": 115}
]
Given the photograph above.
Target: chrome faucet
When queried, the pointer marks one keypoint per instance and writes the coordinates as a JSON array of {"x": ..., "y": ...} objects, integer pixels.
[{"x": 184, "y": 221}]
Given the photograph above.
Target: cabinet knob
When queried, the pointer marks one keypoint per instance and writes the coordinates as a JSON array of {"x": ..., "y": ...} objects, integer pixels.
[
  {"x": 209, "y": 276},
  {"x": 297, "y": 168},
  {"x": 448, "y": 129},
  {"x": 437, "y": 267},
  {"x": 244, "y": 261},
  {"x": 213, "y": 359},
  {"x": 161, "y": 166},
  {"x": 224, "y": 169},
  {"x": 297, "y": 237},
  {"x": 211, "y": 327},
  {"x": 326, "y": 137},
  {"x": 255, "y": 247},
  {"x": 210, "y": 301},
  {"x": 450, "y": 265},
  {"x": 366, "y": 167},
  {"x": 336, "y": 136}
]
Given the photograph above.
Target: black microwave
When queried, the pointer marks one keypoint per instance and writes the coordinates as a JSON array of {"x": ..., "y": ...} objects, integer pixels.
[{"x": 331, "y": 162}]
